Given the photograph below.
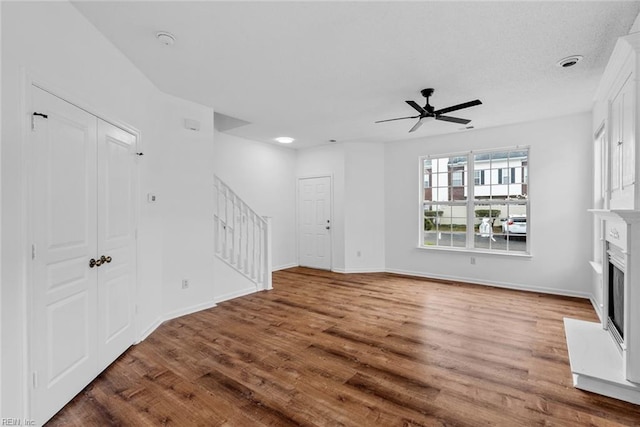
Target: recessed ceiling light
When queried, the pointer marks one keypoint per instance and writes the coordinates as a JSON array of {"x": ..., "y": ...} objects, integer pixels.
[
  {"x": 166, "y": 38},
  {"x": 284, "y": 140},
  {"x": 569, "y": 61}
]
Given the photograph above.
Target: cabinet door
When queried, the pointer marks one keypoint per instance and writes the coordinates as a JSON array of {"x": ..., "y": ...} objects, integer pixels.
[
  {"x": 615, "y": 142},
  {"x": 627, "y": 134}
]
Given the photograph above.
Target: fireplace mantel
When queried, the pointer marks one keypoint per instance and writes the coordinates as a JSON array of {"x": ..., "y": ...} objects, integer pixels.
[{"x": 627, "y": 215}]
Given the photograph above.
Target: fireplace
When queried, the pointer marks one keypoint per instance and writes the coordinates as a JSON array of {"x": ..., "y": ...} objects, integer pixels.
[
  {"x": 605, "y": 355},
  {"x": 615, "y": 294}
]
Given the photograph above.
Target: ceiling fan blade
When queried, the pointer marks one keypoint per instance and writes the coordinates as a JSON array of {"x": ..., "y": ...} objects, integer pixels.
[
  {"x": 457, "y": 107},
  {"x": 418, "y": 108},
  {"x": 416, "y": 126},
  {"x": 453, "y": 119},
  {"x": 399, "y": 118}
]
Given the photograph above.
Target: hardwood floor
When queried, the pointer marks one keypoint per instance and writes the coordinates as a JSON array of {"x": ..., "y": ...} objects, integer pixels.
[{"x": 326, "y": 349}]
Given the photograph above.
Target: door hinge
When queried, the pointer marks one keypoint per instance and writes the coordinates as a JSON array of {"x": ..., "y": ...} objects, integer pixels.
[
  {"x": 34, "y": 378},
  {"x": 33, "y": 252},
  {"x": 33, "y": 119}
]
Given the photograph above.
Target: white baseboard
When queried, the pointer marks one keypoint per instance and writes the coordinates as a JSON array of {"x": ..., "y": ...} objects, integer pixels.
[
  {"x": 284, "y": 267},
  {"x": 237, "y": 294},
  {"x": 149, "y": 330},
  {"x": 358, "y": 270},
  {"x": 189, "y": 310},
  {"x": 514, "y": 286}
]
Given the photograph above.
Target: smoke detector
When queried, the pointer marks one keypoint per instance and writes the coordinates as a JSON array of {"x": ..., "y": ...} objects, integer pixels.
[
  {"x": 569, "y": 61},
  {"x": 166, "y": 38}
]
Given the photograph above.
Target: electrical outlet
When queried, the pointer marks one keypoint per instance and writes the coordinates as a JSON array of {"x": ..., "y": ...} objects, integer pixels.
[
  {"x": 185, "y": 283},
  {"x": 473, "y": 260}
]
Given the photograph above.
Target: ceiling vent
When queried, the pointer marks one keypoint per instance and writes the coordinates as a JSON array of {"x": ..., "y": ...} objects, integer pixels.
[{"x": 569, "y": 61}]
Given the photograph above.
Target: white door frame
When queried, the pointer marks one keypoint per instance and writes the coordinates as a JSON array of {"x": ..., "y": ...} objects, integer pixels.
[
  {"x": 30, "y": 80},
  {"x": 300, "y": 178}
]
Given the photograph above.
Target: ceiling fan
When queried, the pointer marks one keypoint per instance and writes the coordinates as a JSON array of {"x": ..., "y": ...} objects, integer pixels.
[{"x": 428, "y": 111}]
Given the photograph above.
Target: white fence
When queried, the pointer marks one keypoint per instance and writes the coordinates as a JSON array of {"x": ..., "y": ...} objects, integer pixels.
[{"x": 242, "y": 237}]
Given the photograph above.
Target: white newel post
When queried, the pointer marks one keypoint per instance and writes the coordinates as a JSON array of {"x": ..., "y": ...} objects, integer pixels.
[{"x": 268, "y": 280}]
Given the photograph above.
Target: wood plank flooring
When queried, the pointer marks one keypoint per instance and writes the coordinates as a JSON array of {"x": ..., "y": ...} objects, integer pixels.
[{"x": 326, "y": 349}]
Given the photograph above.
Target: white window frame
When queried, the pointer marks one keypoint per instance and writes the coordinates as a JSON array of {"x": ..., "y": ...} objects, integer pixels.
[{"x": 471, "y": 203}]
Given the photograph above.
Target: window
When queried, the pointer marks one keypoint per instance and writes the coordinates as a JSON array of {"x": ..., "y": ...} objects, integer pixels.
[
  {"x": 456, "y": 178},
  {"x": 487, "y": 212}
]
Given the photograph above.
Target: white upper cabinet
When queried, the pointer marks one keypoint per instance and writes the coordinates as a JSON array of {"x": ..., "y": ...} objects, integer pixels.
[{"x": 615, "y": 106}]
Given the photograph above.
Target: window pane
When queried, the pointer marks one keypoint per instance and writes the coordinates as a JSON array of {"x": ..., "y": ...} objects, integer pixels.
[
  {"x": 427, "y": 169},
  {"x": 505, "y": 175},
  {"x": 445, "y": 225}
]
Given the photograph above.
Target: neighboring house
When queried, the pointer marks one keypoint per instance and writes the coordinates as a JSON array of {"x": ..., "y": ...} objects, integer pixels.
[{"x": 501, "y": 176}]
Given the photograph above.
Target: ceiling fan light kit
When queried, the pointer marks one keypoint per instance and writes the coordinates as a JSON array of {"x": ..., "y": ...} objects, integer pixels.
[{"x": 429, "y": 111}]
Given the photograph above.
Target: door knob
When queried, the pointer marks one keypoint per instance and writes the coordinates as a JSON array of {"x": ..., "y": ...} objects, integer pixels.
[
  {"x": 328, "y": 228},
  {"x": 106, "y": 259},
  {"x": 92, "y": 263}
]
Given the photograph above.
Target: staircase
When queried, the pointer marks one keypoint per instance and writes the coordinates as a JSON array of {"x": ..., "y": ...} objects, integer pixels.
[{"x": 242, "y": 237}]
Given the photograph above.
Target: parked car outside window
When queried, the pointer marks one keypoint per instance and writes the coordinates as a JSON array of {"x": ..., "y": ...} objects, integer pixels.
[{"x": 515, "y": 225}]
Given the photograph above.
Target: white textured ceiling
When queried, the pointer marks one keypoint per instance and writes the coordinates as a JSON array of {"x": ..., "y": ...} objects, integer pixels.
[{"x": 327, "y": 70}]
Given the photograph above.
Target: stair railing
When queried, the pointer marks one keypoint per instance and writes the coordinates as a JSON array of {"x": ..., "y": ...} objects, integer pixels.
[{"x": 242, "y": 237}]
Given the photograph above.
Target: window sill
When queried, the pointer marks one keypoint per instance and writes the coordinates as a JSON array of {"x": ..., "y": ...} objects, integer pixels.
[{"x": 468, "y": 251}]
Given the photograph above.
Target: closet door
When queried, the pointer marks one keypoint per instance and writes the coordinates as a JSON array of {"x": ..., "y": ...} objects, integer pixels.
[
  {"x": 63, "y": 329},
  {"x": 82, "y": 209},
  {"x": 116, "y": 241}
]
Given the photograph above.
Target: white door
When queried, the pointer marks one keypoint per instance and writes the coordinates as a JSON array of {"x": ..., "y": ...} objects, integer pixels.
[
  {"x": 116, "y": 241},
  {"x": 82, "y": 202},
  {"x": 314, "y": 225},
  {"x": 64, "y": 293}
]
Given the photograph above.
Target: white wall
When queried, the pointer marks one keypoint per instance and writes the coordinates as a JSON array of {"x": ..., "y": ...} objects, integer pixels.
[
  {"x": 364, "y": 207},
  {"x": 185, "y": 201},
  {"x": 264, "y": 177},
  {"x": 329, "y": 160},
  {"x": 560, "y": 177},
  {"x": 54, "y": 43}
]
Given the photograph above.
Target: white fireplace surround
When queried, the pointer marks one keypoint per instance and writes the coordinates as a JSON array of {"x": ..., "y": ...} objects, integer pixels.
[{"x": 598, "y": 363}]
